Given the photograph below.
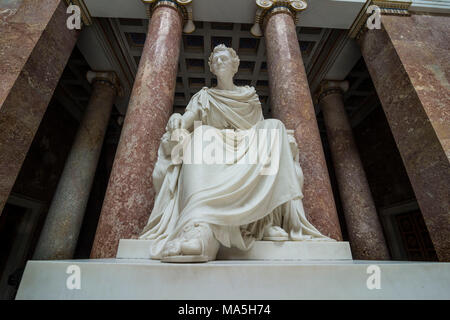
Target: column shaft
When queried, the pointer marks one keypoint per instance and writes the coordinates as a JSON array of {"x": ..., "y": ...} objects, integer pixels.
[
  {"x": 35, "y": 45},
  {"x": 291, "y": 103},
  {"x": 408, "y": 62},
  {"x": 130, "y": 195},
  {"x": 59, "y": 236},
  {"x": 364, "y": 228}
]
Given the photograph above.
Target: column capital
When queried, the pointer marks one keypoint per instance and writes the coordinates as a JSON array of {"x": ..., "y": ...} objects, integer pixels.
[
  {"x": 184, "y": 8},
  {"x": 379, "y": 7},
  {"x": 331, "y": 86},
  {"x": 267, "y": 8},
  {"x": 108, "y": 77}
]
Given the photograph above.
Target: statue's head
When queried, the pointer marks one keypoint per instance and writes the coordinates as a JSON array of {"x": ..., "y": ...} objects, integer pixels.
[{"x": 223, "y": 61}]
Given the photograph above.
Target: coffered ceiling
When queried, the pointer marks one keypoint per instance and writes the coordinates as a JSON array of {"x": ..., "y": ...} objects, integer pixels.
[
  {"x": 193, "y": 70},
  {"x": 115, "y": 41}
]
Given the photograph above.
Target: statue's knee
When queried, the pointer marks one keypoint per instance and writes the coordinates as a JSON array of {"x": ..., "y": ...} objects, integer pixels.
[{"x": 275, "y": 123}]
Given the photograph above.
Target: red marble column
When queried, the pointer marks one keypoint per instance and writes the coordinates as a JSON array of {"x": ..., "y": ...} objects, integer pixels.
[
  {"x": 35, "y": 45},
  {"x": 408, "y": 60},
  {"x": 363, "y": 225},
  {"x": 291, "y": 103},
  {"x": 130, "y": 195}
]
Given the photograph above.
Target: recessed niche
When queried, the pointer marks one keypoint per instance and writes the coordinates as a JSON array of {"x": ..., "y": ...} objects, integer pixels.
[
  {"x": 196, "y": 82},
  {"x": 221, "y": 26},
  {"x": 193, "y": 44},
  {"x": 215, "y": 41},
  {"x": 248, "y": 45},
  {"x": 195, "y": 65},
  {"x": 246, "y": 67}
]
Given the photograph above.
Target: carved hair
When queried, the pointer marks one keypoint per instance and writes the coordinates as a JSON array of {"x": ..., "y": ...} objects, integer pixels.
[{"x": 234, "y": 57}]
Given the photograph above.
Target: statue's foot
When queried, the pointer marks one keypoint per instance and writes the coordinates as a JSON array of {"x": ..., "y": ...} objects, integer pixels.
[
  {"x": 196, "y": 243},
  {"x": 275, "y": 233}
]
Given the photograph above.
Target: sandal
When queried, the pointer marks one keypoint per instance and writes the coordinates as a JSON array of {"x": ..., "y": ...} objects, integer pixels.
[
  {"x": 209, "y": 249},
  {"x": 276, "y": 238}
]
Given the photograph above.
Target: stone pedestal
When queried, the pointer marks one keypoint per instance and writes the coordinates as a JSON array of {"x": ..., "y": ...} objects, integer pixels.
[
  {"x": 222, "y": 280},
  {"x": 59, "y": 236},
  {"x": 408, "y": 60},
  {"x": 292, "y": 104},
  {"x": 35, "y": 45},
  {"x": 130, "y": 195},
  {"x": 363, "y": 225}
]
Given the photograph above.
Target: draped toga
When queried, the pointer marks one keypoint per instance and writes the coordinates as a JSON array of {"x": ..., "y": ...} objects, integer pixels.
[{"x": 235, "y": 198}]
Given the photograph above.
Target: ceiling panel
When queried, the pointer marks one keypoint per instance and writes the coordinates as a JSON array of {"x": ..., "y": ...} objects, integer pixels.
[{"x": 193, "y": 71}]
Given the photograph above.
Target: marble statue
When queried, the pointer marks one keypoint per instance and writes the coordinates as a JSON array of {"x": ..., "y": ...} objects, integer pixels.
[{"x": 200, "y": 206}]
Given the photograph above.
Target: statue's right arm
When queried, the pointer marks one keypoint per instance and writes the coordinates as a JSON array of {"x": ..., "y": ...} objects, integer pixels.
[
  {"x": 188, "y": 120},
  {"x": 185, "y": 121}
]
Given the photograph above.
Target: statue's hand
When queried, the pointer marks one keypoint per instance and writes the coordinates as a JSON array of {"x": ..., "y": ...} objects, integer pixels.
[{"x": 176, "y": 121}]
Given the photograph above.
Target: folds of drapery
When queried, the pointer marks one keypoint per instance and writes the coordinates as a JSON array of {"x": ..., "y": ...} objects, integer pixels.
[{"x": 238, "y": 199}]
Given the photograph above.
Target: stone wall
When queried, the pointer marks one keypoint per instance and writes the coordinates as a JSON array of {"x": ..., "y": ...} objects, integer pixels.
[
  {"x": 45, "y": 160},
  {"x": 388, "y": 180}
]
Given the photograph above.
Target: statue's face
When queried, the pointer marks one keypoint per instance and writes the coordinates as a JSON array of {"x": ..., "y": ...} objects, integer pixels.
[{"x": 222, "y": 64}]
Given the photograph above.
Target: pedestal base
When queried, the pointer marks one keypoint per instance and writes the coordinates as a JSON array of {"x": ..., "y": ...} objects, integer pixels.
[
  {"x": 150, "y": 279},
  {"x": 261, "y": 250}
]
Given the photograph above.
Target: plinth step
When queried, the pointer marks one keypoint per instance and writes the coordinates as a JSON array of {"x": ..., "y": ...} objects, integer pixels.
[
  {"x": 150, "y": 279},
  {"x": 261, "y": 250}
]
